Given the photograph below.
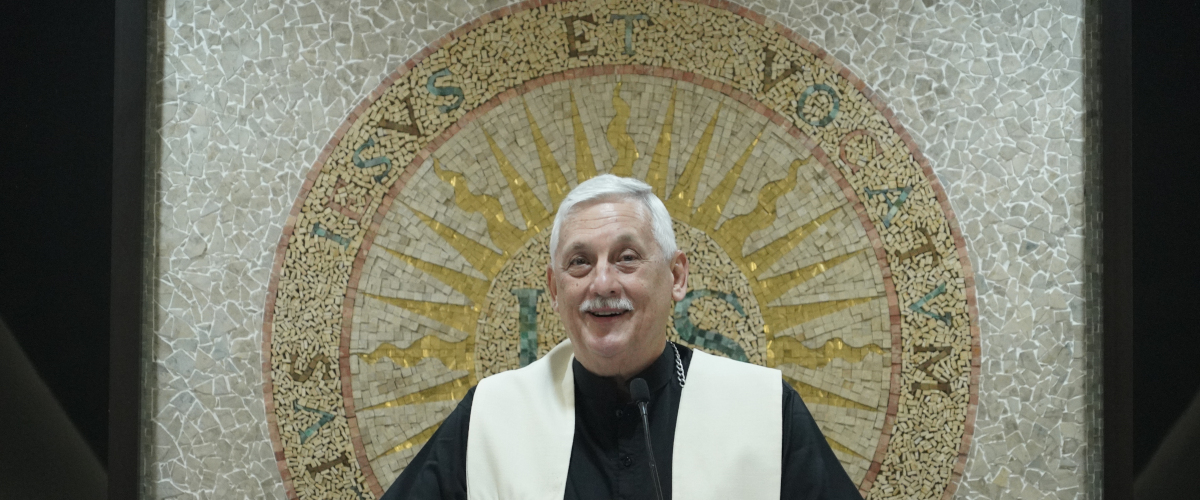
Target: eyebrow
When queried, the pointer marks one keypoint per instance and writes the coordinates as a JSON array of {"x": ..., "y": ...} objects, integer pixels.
[{"x": 626, "y": 238}]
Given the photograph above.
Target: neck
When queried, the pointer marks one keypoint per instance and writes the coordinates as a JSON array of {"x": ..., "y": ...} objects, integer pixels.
[{"x": 622, "y": 374}]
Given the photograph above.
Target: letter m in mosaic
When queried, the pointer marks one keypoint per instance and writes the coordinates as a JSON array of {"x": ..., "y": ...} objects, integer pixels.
[{"x": 939, "y": 384}]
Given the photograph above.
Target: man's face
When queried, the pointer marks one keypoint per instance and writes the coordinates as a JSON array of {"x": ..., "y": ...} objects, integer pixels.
[{"x": 613, "y": 287}]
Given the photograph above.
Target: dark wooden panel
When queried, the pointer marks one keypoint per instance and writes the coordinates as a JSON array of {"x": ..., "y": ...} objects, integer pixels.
[
  {"x": 129, "y": 166},
  {"x": 1117, "y": 158}
]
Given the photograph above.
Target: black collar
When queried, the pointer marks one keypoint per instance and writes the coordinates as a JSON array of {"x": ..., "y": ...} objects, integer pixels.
[{"x": 657, "y": 375}]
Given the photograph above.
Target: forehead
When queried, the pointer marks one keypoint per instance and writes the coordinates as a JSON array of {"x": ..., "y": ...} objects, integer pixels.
[{"x": 620, "y": 215}]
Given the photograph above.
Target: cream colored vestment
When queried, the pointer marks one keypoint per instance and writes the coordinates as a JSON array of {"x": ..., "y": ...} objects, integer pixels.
[{"x": 728, "y": 433}]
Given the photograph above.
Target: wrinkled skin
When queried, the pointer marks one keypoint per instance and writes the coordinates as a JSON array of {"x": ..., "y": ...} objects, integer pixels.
[{"x": 607, "y": 250}]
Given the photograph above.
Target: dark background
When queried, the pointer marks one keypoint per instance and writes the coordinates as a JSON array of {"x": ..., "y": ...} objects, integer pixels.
[
  {"x": 1166, "y": 115},
  {"x": 56, "y": 102}
]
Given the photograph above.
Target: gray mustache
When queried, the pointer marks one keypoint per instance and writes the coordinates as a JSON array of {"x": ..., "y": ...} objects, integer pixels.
[{"x": 605, "y": 303}]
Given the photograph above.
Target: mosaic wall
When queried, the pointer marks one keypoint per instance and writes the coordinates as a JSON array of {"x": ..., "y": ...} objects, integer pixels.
[{"x": 330, "y": 286}]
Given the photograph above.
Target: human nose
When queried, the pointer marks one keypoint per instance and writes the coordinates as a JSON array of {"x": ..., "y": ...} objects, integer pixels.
[{"x": 605, "y": 282}]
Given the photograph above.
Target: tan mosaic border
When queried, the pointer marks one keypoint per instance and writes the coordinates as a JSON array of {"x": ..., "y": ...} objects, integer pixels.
[
  {"x": 744, "y": 98},
  {"x": 747, "y": 99}
]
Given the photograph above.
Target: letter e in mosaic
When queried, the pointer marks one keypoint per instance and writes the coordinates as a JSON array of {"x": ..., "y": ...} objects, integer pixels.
[
  {"x": 576, "y": 39},
  {"x": 443, "y": 214}
]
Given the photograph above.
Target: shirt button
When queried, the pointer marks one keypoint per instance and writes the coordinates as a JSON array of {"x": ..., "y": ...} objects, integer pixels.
[
  {"x": 620, "y": 413},
  {"x": 626, "y": 461}
]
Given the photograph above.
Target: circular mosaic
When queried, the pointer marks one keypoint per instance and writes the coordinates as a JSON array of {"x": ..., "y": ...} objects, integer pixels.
[{"x": 820, "y": 242}]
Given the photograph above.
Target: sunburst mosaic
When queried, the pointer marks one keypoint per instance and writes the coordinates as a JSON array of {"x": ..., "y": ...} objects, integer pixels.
[{"x": 821, "y": 244}]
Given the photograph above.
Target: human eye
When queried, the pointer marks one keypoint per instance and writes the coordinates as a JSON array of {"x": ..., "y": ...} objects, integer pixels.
[
  {"x": 628, "y": 257},
  {"x": 578, "y": 266}
]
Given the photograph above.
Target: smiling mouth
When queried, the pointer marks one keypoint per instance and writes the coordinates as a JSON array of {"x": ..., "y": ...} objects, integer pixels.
[
  {"x": 606, "y": 307},
  {"x": 607, "y": 314}
]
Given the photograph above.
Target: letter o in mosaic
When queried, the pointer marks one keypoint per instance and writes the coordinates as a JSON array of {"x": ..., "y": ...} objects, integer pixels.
[
  {"x": 413, "y": 262},
  {"x": 829, "y": 116}
]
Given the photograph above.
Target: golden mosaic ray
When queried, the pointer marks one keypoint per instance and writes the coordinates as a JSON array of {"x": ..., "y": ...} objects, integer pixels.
[
  {"x": 843, "y": 448},
  {"x": 454, "y": 355},
  {"x": 507, "y": 236},
  {"x": 627, "y": 151},
  {"x": 656, "y": 175},
  {"x": 785, "y": 349},
  {"x": 452, "y": 315},
  {"x": 709, "y": 213},
  {"x": 683, "y": 196},
  {"x": 770, "y": 253},
  {"x": 474, "y": 288},
  {"x": 769, "y": 289},
  {"x": 585, "y": 165},
  {"x": 453, "y": 390},
  {"x": 419, "y": 439},
  {"x": 813, "y": 395},
  {"x": 734, "y": 231},
  {"x": 531, "y": 207},
  {"x": 479, "y": 256},
  {"x": 556, "y": 182},
  {"x": 780, "y": 318}
]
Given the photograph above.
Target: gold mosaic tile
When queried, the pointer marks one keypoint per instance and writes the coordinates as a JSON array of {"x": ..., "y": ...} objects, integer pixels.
[{"x": 818, "y": 244}]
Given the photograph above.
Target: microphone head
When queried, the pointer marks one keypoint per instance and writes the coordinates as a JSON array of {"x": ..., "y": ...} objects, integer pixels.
[{"x": 639, "y": 390}]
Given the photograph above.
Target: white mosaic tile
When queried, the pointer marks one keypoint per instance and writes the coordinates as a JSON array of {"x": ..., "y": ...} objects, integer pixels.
[{"x": 252, "y": 91}]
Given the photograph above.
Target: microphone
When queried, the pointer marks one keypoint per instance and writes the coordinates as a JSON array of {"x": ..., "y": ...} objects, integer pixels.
[{"x": 641, "y": 395}]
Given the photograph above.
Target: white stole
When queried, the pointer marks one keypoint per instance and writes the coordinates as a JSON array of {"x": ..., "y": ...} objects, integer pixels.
[{"x": 728, "y": 434}]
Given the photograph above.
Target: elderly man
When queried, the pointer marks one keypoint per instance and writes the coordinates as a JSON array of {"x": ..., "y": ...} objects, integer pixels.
[{"x": 566, "y": 426}]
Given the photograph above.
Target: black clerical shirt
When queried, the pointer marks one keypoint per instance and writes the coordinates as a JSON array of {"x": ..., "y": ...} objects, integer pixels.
[{"x": 608, "y": 456}]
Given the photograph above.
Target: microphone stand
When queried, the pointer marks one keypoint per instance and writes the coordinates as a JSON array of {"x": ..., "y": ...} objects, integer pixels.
[{"x": 641, "y": 394}]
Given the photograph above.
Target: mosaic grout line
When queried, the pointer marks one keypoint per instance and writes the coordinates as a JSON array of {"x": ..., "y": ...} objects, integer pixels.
[{"x": 1008, "y": 273}]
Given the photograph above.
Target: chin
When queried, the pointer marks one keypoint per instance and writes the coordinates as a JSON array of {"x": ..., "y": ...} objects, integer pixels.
[
  {"x": 608, "y": 346},
  {"x": 606, "y": 350}
]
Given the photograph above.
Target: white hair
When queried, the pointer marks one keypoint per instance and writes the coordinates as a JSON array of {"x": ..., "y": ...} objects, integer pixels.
[{"x": 611, "y": 187}]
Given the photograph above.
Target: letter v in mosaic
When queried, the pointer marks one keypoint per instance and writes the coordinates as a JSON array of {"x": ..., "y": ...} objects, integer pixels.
[{"x": 462, "y": 157}]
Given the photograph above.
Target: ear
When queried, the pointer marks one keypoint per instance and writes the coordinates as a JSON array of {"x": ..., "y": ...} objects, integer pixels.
[
  {"x": 551, "y": 286},
  {"x": 679, "y": 275}
]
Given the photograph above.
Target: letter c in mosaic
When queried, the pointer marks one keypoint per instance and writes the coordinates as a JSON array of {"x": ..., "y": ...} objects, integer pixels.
[{"x": 417, "y": 249}]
